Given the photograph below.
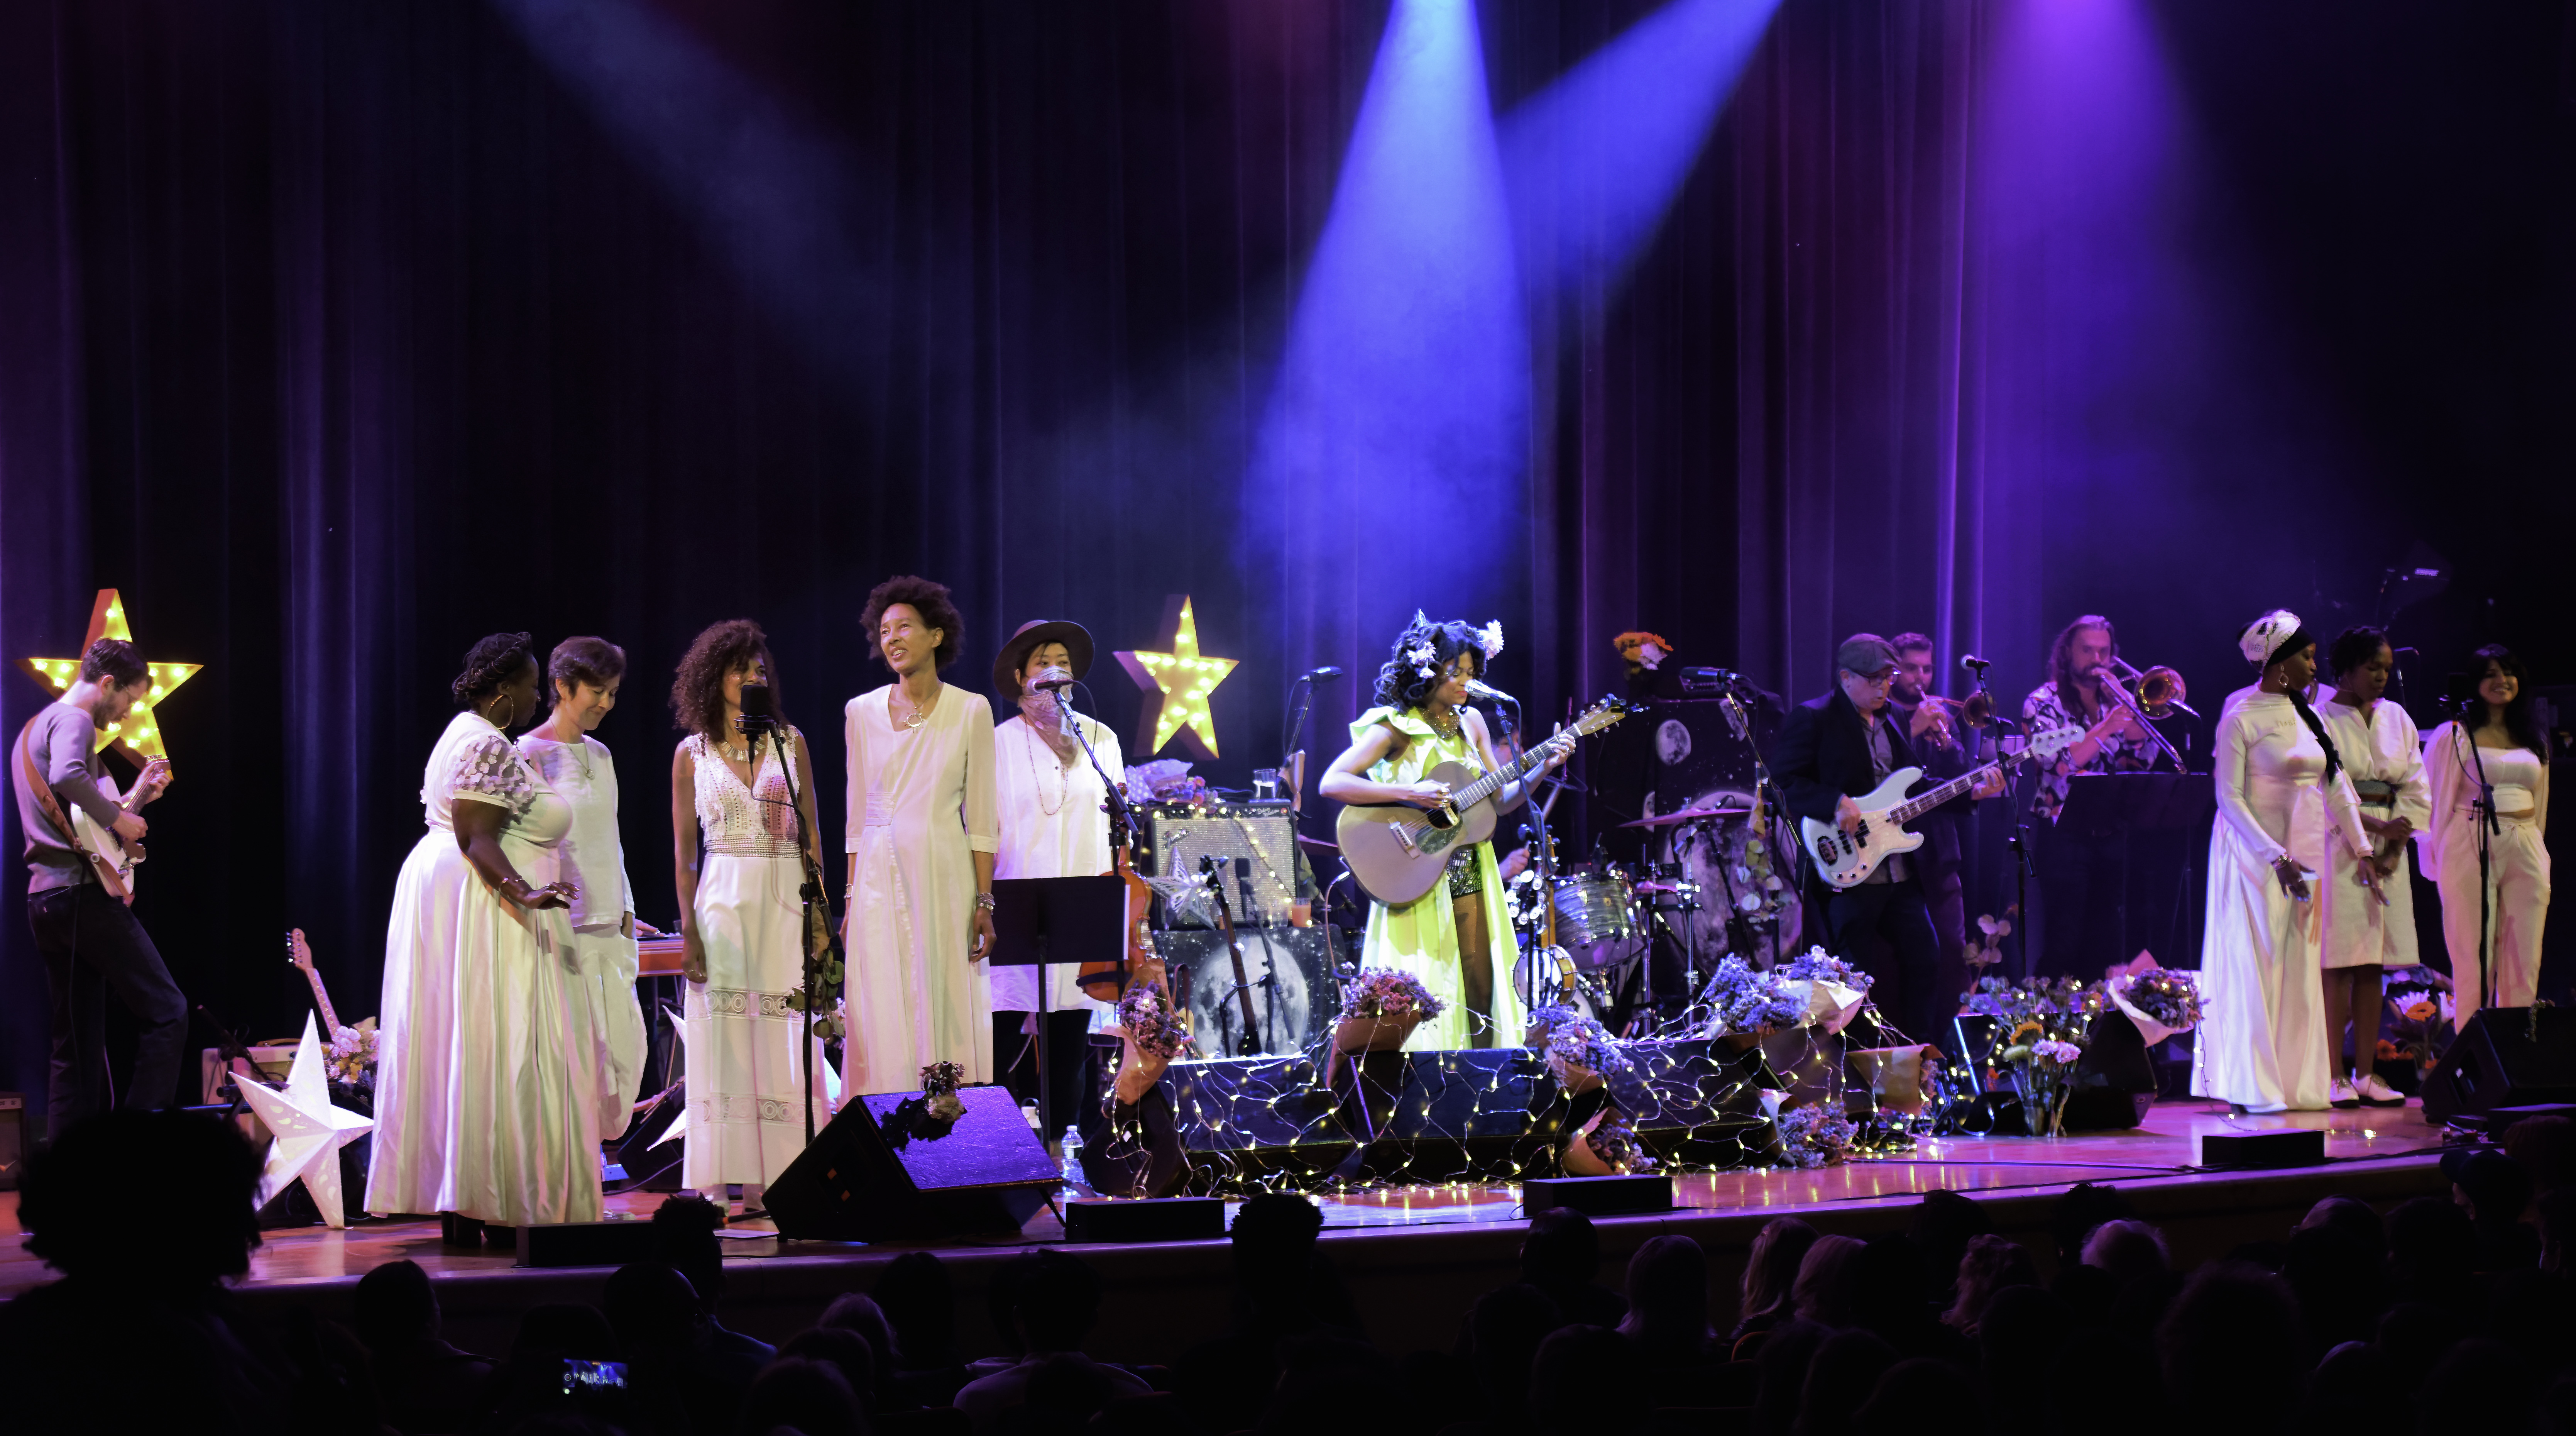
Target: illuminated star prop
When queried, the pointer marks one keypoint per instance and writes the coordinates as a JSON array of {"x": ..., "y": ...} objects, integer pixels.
[
  {"x": 139, "y": 731},
  {"x": 308, "y": 1131},
  {"x": 1176, "y": 684}
]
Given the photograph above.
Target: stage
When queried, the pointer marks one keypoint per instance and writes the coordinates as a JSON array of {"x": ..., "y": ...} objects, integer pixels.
[{"x": 1416, "y": 1258}]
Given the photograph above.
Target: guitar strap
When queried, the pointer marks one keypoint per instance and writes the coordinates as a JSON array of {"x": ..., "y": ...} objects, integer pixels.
[{"x": 32, "y": 779}]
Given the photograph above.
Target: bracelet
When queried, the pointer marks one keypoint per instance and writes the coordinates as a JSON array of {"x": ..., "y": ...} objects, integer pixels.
[{"x": 983, "y": 902}]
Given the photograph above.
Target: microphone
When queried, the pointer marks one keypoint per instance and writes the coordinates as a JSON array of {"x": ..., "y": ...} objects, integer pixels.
[
  {"x": 1973, "y": 663},
  {"x": 1324, "y": 674},
  {"x": 1051, "y": 679},
  {"x": 1476, "y": 688}
]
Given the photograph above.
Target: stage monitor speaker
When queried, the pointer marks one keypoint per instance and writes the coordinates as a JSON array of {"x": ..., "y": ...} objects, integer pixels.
[
  {"x": 887, "y": 1169},
  {"x": 2505, "y": 1057}
]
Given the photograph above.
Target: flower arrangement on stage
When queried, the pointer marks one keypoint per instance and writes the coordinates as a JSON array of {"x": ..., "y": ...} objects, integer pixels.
[
  {"x": 1815, "y": 965},
  {"x": 1830, "y": 989},
  {"x": 1383, "y": 993},
  {"x": 1579, "y": 1051},
  {"x": 2159, "y": 1000},
  {"x": 351, "y": 1057},
  {"x": 1613, "y": 1144},
  {"x": 1815, "y": 1136},
  {"x": 2421, "y": 1016},
  {"x": 1745, "y": 1001},
  {"x": 2041, "y": 1029},
  {"x": 2007, "y": 1001},
  {"x": 1150, "y": 1023},
  {"x": 939, "y": 1084}
]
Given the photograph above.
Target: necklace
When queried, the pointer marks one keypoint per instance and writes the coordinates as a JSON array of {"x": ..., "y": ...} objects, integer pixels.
[
  {"x": 1063, "y": 776},
  {"x": 1450, "y": 729},
  {"x": 920, "y": 715}
]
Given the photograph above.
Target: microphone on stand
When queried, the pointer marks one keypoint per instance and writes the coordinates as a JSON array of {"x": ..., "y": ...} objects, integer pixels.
[
  {"x": 1325, "y": 674},
  {"x": 1476, "y": 688},
  {"x": 1974, "y": 664}
]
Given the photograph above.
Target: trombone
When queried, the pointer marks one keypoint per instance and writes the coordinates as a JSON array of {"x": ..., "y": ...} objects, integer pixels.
[{"x": 2159, "y": 695}]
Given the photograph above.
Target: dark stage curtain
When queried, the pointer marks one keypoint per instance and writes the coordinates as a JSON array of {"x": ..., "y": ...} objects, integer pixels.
[{"x": 339, "y": 335}]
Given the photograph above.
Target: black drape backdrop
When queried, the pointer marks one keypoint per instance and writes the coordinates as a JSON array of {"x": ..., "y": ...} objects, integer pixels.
[{"x": 337, "y": 336}]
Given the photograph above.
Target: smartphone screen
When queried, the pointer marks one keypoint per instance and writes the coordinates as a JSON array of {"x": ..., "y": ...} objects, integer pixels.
[{"x": 581, "y": 1377}]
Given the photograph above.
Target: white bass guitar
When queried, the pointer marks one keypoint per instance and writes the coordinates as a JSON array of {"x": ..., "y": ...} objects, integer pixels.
[{"x": 1844, "y": 859}]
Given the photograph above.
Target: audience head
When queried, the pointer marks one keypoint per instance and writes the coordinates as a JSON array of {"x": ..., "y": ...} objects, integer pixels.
[
  {"x": 1991, "y": 1264},
  {"x": 654, "y": 1311},
  {"x": 1923, "y": 1397},
  {"x": 2337, "y": 1277},
  {"x": 2128, "y": 1249},
  {"x": 2478, "y": 1385},
  {"x": 2557, "y": 1228},
  {"x": 2432, "y": 1246},
  {"x": 2490, "y": 1185},
  {"x": 1561, "y": 1251},
  {"x": 914, "y": 1293},
  {"x": 2231, "y": 1349},
  {"x": 2544, "y": 1147},
  {"x": 1823, "y": 1290},
  {"x": 1771, "y": 1268},
  {"x": 684, "y": 1237},
  {"x": 2347, "y": 1214},
  {"x": 1668, "y": 1294},
  {"x": 1585, "y": 1379},
  {"x": 2075, "y": 1215},
  {"x": 810, "y": 1397},
  {"x": 1053, "y": 1299},
  {"x": 184, "y": 1177},
  {"x": 1943, "y": 1224},
  {"x": 395, "y": 1306},
  {"x": 1845, "y": 1370},
  {"x": 851, "y": 1311},
  {"x": 1887, "y": 1287},
  {"x": 1504, "y": 1331},
  {"x": 846, "y": 1350},
  {"x": 2021, "y": 1324}
]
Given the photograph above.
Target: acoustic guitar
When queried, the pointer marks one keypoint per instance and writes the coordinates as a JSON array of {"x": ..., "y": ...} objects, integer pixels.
[{"x": 1398, "y": 851}]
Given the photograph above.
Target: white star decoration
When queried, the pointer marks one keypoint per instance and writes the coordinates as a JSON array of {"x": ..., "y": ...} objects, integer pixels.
[{"x": 308, "y": 1131}]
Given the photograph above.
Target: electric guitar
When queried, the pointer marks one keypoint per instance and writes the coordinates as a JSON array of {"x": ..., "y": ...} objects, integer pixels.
[
  {"x": 1844, "y": 859},
  {"x": 299, "y": 955},
  {"x": 1398, "y": 851}
]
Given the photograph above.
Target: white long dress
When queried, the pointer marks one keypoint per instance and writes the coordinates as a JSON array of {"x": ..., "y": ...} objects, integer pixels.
[
  {"x": 2263, "y": 1032},
  {"x": 607, "y": 1017},
  {"x": 2517, "y": 886},
  {"x": 1052, "y": 826},
  {"x": 920, "y": 805},
  {"x": 746, "y": 1113},
  {"x": 484, "y": 1097},
  {"x": 2380, "y": 746}
]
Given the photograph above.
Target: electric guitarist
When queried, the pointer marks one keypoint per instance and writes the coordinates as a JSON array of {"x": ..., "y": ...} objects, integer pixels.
[
  {"x": 1457, "y": 938},
  {"x": 1831, "y": 750}
]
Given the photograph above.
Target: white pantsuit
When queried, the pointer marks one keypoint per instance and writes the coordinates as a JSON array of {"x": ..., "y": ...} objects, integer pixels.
[{"x": 2517, "y": 879}]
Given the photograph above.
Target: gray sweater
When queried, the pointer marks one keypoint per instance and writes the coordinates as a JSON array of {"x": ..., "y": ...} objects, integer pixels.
[{"x": 60, "y": 742}]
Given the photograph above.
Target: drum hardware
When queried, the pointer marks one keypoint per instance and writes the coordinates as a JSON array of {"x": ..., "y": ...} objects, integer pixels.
[{"x": 1688, "y": 815}]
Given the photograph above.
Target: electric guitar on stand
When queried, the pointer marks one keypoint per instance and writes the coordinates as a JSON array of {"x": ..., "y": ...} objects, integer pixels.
[
  {"x": 1844, "y": 859},
  {"x": 1397, "y": 851}
]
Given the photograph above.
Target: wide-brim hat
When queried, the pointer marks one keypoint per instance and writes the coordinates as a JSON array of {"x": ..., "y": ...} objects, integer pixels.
[{"x": 1015, "y": 654}]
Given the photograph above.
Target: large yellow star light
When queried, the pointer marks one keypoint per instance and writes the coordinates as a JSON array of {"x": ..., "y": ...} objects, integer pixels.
[
  {"x": 1177, "y": 684},
  {"x": 139, "y": 731}
]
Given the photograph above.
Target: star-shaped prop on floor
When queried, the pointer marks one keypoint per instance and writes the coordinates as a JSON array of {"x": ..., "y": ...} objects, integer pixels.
[
  {"x": 308, "y": 1131},
  {"x": 140, "y": 730},
  {"x": 1176, "y": 683}
]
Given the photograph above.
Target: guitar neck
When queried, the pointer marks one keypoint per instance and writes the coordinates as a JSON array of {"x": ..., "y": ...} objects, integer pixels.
[
  {"x": 1492, "y": 783},
  {"x": 1922, "y": 803}
]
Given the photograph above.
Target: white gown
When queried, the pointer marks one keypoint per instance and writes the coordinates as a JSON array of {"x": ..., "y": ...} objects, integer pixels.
[
  {"x": 2384, "y": 747},
  {"x": 608, "y": 1016},
  {"x": 746, "y": 1113},
  {"x": 920, "y": 805},
  {"x": 2263, "y": 1036},
  {"x": 483, "y": 1094},
  {"x": 2517, "y": 894},
  {"x": 1052, "y": 826}
]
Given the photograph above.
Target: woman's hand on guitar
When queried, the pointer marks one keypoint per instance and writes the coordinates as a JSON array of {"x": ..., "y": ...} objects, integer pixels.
[
  {"x": 1560, "y": 747},
  {"x": 1425, "y": 794}
]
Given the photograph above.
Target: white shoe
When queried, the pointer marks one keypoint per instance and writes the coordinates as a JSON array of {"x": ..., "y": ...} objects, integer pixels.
[
  {"x": 2340, "y": 1096},
  {"x": 2375, "y": 1093}
]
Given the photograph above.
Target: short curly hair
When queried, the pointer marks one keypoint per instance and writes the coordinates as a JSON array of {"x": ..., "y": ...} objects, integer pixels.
[
  {"x": 2354, "y": 647},
  {"x": 1401, "y": 684},
  {"x": 697, "y": 688},
  {"x": 928, "y": 599},
  {"x": 489, "y": 664}
]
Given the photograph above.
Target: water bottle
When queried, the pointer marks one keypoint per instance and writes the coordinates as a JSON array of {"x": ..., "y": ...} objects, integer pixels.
[{"x": 1072, "y": 1171}]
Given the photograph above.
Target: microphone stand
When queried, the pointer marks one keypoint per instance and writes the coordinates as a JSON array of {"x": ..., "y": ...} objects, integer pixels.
[
  {"x": 1122, "y": 835},
  {"x": 2487, "y": 826},
  {"x": 820, "y": 971}
]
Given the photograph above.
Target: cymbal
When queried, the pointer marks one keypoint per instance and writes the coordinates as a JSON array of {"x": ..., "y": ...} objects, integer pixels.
[
  {"x": 1319, "y": 847},
  {"x": 1688, "y": 815}
]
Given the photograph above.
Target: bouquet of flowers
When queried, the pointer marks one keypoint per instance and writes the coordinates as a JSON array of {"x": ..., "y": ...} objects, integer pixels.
[
  {"x": 351, "y": 1057},
  {"x": 1815, "y": 965},
  {"x": 1744, "y": 1000},
  {"x": 1383, "y": 993},
  {"x": 2159, "y": 1000},
  {"x": 2041, "y": 1028},
  {"x": 1832, "y": 988},
  {"x": 2056, "y": 997},
  {"x": 2422, "y": 1016},
  {"x": 1146, "y": 1016},
  {"x": 1815, "y": 1136},
  {"x": 939, "y": 1083},
  {"x": 1580, "y": 1051},
  {"x": 1612, "y": 1145}
]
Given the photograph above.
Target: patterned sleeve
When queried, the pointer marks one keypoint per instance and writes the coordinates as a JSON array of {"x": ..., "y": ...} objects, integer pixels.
[{"x": 489, "y": 770}]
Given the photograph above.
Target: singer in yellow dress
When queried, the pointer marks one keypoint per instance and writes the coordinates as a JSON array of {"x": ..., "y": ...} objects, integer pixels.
[{"x": 1457, "y": 938}]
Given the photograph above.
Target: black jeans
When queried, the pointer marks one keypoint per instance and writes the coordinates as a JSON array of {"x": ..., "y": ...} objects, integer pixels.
[
  {"x": 91, "y": 945},
  {"x": 1876, "y": 922}
]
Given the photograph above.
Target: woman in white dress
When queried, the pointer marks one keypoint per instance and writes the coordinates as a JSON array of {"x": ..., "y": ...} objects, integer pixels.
[
  {"x": 483, "y": 1099},
  {"x": 1049, "y": 801},
  {"x": 2262, "y": 1044},
  {"x": 2364, "y": 935},
  {"x": 922, "y": 842},
  {"x": 585, "y": 673},
  {"x": 2497, "y": 747},
  {"x": 742, "y": 921}
]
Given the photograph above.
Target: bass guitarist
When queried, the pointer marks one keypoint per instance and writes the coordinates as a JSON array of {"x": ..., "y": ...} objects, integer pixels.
[
  {"x": 1458, "y": 937},
  {"x": 1831, "y": 750}
]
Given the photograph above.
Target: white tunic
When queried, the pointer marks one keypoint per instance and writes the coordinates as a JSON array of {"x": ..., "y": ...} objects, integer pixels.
[
  {"x": 920, "y": 805},
  {"x": 1052, "y": 826},
  {"x": 609, "y": 1019},
  {"x": 485, "y": 1101},
  {"x": 2382, "y": 746},
  {"x": 2263, "y": 1033}
]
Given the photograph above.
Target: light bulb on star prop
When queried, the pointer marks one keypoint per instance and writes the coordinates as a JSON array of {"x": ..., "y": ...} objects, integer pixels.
[
  {"x": 306, "y": 1131},
  {"x": 1178, "y": 682},
  {"x": 139, "y": 731}
]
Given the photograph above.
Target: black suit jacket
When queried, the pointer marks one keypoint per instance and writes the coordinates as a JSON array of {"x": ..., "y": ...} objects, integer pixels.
[{"x": 1823, "y": 756}]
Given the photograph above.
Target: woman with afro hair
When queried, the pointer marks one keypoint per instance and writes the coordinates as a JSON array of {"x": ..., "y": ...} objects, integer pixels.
[
  {"x": 922, "y": 836},
  {"x": 1457, "y": 938}
]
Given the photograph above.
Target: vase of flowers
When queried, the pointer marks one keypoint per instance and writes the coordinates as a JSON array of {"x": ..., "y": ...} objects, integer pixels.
[
  {"x": 1380, "y": 1008},
  {"x": 2041, "y": 1028}
]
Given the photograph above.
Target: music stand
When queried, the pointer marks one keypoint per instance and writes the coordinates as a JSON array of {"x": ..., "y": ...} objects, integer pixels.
[
  {"x": 1037, "y": 921},
  {"x": 2132, "y": 803}
]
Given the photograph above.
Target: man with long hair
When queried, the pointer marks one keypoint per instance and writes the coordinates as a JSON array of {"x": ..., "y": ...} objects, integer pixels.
[{"x": 2074, "y": 922}]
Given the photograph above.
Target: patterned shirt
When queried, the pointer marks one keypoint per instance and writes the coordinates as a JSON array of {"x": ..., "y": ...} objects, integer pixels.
[{"x": 2042, "y": 711}]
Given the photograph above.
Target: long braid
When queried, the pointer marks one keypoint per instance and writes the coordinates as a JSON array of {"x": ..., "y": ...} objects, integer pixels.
[{"x": 2317, "y": 725}]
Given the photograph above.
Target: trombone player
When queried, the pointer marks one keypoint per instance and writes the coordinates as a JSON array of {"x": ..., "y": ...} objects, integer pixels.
[{"x": 2075, "y": 902}]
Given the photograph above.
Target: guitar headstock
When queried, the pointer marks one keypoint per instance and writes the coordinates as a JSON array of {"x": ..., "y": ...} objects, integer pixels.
[
  {"x": 299, "y": 954},
  {"x": 2054, "y": 741},
  {"x": 1599, "y": 716}
]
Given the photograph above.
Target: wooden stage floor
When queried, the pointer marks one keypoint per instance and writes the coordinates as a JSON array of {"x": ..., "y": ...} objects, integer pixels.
[{"x": 1420, "y": 1239}]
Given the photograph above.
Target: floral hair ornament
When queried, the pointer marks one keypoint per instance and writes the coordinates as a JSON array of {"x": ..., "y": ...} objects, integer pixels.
[
  {"x": 2263, "y": 640},
  {"x": 1492, "y": 639}
]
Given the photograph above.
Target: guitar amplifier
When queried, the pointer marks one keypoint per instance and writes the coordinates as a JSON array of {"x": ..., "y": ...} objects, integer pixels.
[{"x": 1178, "y": 835}]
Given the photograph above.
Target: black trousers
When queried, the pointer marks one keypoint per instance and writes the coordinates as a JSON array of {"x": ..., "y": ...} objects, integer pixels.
[
  {"x": 92, "y": 945},
  {"x": 1015, "y": 1061},
  {"x": 1885, "y": 929}
]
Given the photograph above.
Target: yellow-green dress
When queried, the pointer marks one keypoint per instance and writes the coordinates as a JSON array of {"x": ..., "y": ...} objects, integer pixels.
[{"x": 1421, "y": 937}]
